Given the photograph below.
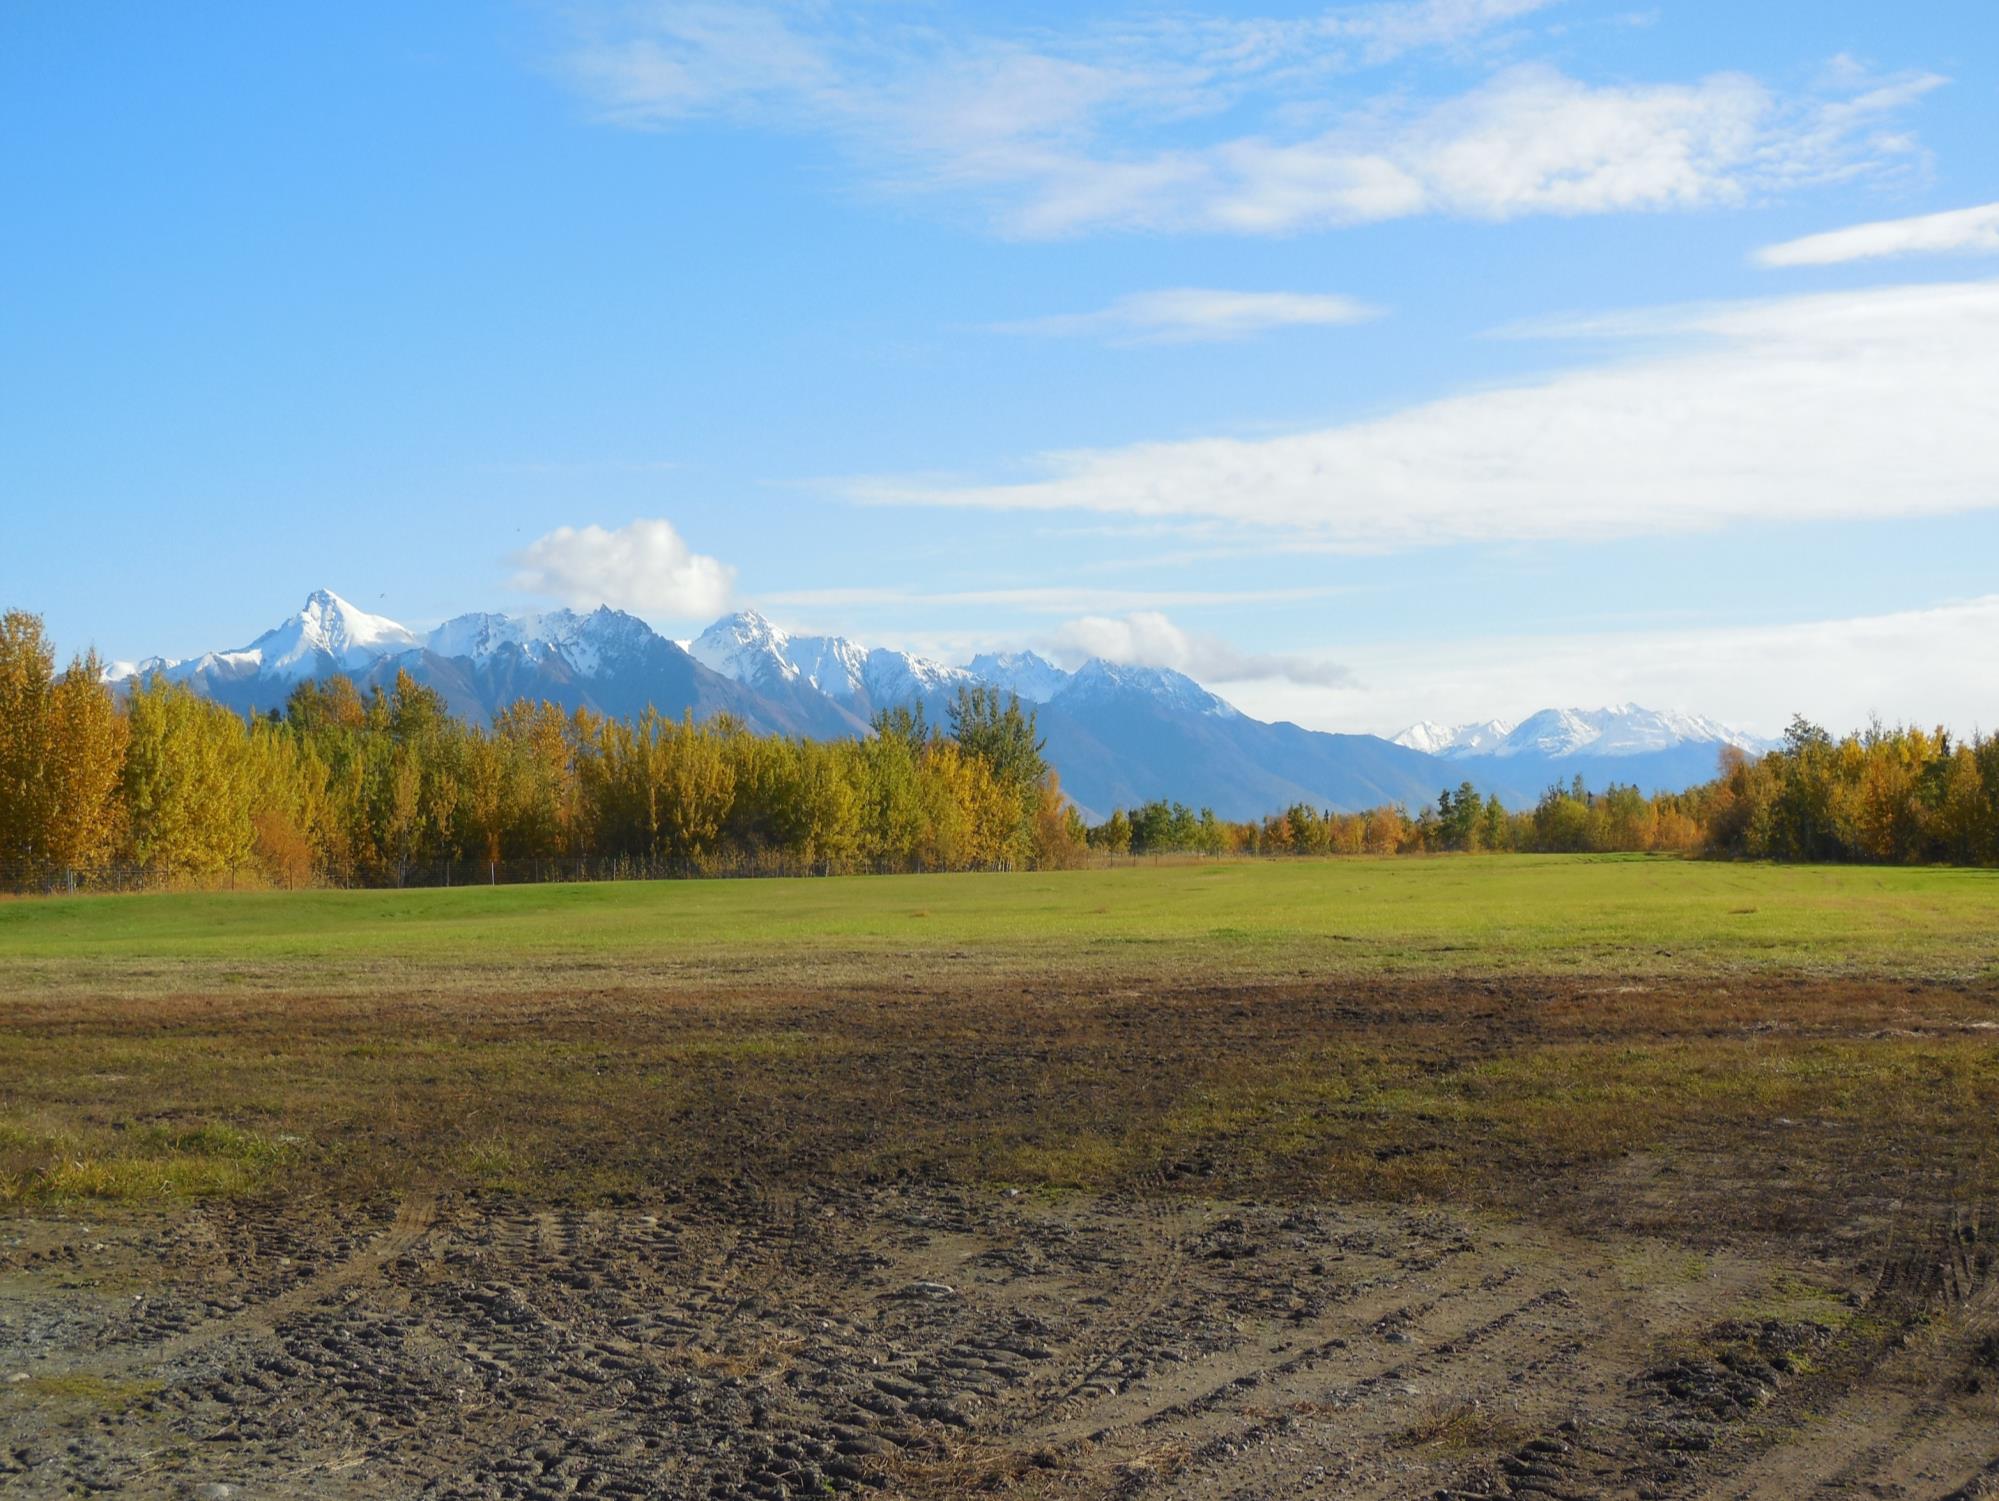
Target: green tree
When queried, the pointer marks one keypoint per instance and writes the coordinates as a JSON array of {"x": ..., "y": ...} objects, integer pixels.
[
  {"x": 1460, "y": 817},
  {"x": 997, "y": 731},
  {"x": 904, "y": 722},
  {"x": 1113, "y": 835}
]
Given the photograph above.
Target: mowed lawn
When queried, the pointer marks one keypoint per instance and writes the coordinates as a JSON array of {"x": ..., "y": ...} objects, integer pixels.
[{"x": 1634, "y": 915}]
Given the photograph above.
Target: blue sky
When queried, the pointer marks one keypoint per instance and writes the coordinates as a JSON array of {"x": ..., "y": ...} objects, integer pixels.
[{"x": 1424, "y": 359}]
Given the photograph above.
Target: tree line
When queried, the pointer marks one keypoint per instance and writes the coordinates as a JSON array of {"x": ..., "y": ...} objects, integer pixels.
[
  {"x": 345, "y": 787},
  {"x": 1568, "y": 819},
  {"x": 1880, "y": 795},
  {"x": 384, "y": 787}
]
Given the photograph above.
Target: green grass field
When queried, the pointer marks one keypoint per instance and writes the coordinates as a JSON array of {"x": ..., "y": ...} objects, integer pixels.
[
  {"x": 1419, "y": 1025},
  {"x": 1634, "y": 915}
]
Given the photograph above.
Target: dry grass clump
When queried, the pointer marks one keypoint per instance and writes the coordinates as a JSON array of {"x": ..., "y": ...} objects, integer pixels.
[{"x": 1466, "y": 1427}]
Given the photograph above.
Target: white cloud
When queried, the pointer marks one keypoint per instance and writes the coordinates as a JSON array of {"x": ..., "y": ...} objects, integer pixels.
[
  {"x": 645, "y": 567},
  {"x": 1964, "y": 231},
  {"x": 1186, "y": 315},
  {"x": 1229, "y": 125},
  {"x": 1879, "y": 403},
  {"x": 1150, "y": 639},
  {"x": 1530, "y": 141},
  {"x": 1924, "y": 666}
]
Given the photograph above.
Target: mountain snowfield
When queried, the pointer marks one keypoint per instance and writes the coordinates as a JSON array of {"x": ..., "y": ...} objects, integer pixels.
[
  {"x": 1033, "y": 677},
  {"x": 1100, "y": 681},
  {"x": 1119, "y": 733},
  {"x": 1448, "y": 740},
  {"x": 753, "y": 651}
]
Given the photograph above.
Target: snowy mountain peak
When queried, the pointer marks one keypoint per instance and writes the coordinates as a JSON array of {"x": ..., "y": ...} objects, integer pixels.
[
  {"x": 746, "y": 647},
  {"x": 1098, "y": 679},
  {"x": 1449, "y": 740},
  {"x": 333, "y": 625},
  {"x": 832, "y": 664},
  {"x": 1425, "y": 735},
  {"x": 326, "y": 628},
  {"x": 1552, "y": 732}
]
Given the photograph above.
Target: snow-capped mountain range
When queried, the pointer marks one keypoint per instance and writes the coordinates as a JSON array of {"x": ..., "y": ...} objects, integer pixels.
[
  {"x": 331, "y": 635},
  {"x": 1118, "y": 733},
  {"x": 1619, "y": 730}
]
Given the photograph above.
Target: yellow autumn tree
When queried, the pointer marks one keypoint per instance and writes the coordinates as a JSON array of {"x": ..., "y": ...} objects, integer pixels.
[
  {"x": 81, "y": 811},
  {"x": 1060, "y": 837},
  {"x": 187, "y": 785},
  {"x": 62, "y": 745},
  {"x": 26, "y": 660}
]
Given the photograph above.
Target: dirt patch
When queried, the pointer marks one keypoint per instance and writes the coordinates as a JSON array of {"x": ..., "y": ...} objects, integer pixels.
[
  {"x": 1522, "y": 1238},
  {"x": 941, "y": 1342}
]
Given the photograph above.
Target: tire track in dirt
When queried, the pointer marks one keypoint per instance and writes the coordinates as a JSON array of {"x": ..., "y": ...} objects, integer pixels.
[
  {"x": 1217, "y": 1406},
  {"x": 755, "y": 1262},
  {"x": 1928, "y": 1407},
  {"x": 1356, "y": 1400},
  {"x": 732, "y": 1343},
  {"x": 413, "y": 1218},
  {"x": 1146, "y": 1289},
  {"x": 612, "y": 1359},
  {"x": 1271, "y": 1362},
  {"x": 997, "y": 1375},
  {"x": 1770, "y": 1410},
  {"x": 1536, "y": 1344}
]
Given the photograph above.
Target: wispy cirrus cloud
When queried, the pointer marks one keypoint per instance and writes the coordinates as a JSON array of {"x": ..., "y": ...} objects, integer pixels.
[
  {"x": 1227, "y": 125},
  {"x": 1878, "y": 403},
  {"x": 1049, "y": 599},
  {"x": 1965, "y": 231},
  {"x": 645, "y": 566},
  {"x": 818, "y": 65},
  {"x": 1192, "y": 315},
  {"x": 1150, "y": 638}
]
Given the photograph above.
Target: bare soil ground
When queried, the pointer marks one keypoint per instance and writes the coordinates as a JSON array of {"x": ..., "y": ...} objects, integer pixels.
[{"x": 1362, "y": 1238}]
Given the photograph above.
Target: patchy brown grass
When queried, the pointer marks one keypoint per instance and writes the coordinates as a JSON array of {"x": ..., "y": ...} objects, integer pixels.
[{"x": 1522, "y": 1095}]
